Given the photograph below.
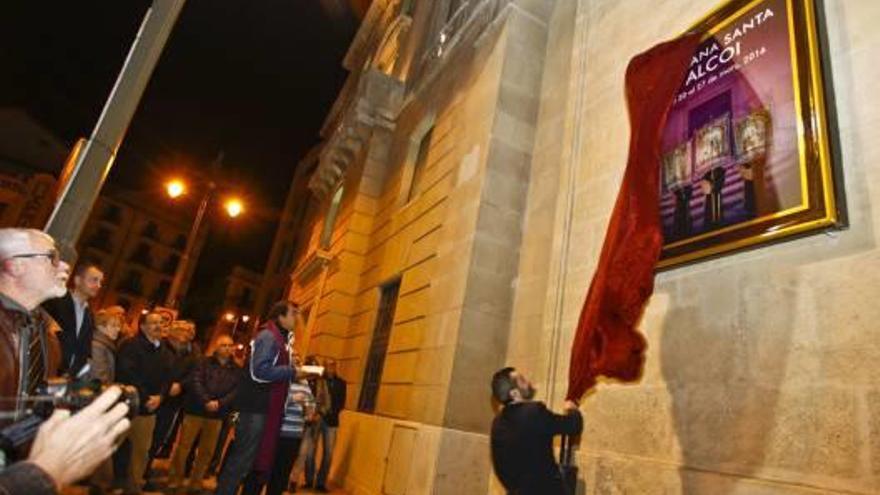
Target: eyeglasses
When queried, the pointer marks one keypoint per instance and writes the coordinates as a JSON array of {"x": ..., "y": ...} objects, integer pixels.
[{"x": 53, "y": 256}]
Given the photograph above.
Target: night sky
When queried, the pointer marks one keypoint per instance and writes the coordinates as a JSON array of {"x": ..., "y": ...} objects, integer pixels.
[{"x": 253, "y": 78}]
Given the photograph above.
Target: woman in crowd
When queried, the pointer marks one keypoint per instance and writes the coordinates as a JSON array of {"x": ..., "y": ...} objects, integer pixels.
[{"x": 108, "y": 323}]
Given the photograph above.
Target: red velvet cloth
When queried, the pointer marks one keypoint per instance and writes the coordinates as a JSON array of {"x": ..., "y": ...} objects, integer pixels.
[
  {"x": 607, "y": 341},
  {"x": 277, "y": 398}
]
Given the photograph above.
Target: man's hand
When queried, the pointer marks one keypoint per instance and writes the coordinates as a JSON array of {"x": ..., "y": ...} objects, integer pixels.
[
  {"x": 212, "y": 406},
  {"x": 569, "y": 406},
  {"x": 68, "y": 448},
  {"x": 175, "y": 389},
  {"x": 153, "y": 402}
]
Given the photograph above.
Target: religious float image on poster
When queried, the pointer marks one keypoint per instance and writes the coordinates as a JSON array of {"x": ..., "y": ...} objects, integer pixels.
[{"x": 747, "y": 151}]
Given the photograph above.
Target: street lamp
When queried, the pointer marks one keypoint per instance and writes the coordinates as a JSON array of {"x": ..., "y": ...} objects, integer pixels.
[
  {"x": 232, "y": 317},
  {"x": 175, "y": 188},
  {"x": 233, "y": 206}
]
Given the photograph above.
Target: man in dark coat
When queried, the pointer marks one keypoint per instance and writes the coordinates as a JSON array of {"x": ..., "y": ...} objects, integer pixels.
[
  {"x": 73, "y": 315},
  {"x": 185, "y": 355},
  {"x": 522, "y": 436},
  {"x": 144, "y": 362},
  {"x": 207, "y": 399}
]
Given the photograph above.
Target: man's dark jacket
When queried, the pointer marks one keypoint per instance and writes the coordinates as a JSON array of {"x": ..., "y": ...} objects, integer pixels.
[
  {"x": 76, "y": 349},
  {"x": 522, "y": 447},
  {"x": 183, "y": 363},
  {"x": 211, "y": 380},
  {"x": 147, "y": 367},
  {"x": 13, "y": 318},
  {"x": 336, "y": 388},
  {"x": 260, "y": 372}
]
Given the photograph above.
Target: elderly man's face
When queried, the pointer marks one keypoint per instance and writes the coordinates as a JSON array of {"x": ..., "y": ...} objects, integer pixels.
[
  {"x": 225, "y": 346},
  {"x": 182, "y": 331},
  {"x": 177, "y": 331},
  {"x": 46, "y": 274},
  {"x": 152, "y": 326}
]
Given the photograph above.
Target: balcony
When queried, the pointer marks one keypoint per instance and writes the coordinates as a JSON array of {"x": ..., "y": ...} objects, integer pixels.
[{"x": 466, "y": 24}]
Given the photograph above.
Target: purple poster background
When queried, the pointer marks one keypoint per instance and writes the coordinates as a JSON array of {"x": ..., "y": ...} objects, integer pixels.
[{"x": 730, "y": 149}]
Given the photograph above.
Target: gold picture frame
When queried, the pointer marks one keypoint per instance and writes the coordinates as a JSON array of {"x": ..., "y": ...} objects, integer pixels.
[{"x": 756, "y": 110}]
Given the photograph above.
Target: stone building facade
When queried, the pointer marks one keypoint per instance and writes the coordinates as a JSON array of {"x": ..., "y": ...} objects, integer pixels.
[
  {"x": 275, "y": 283},
  {"x": 456, "y": 212}
]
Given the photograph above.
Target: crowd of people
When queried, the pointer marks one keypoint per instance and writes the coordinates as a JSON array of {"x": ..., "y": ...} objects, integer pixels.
[{"x": 255, "y": 419}]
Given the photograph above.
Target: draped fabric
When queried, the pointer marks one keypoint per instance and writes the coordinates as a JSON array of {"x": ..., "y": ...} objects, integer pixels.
[
  {"x": 606, "y": 341},
  {"x": 277, "y": 398}
]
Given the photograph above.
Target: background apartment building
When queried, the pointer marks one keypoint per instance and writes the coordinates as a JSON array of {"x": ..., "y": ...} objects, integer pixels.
[
  {"x": 136, "y": 237},
  {"x": 30, "y": 159},
  {"x": 138, "y": 242}
]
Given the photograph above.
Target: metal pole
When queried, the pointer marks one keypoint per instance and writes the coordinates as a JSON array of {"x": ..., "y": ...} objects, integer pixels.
[
  {"x": 183, "y": 266},
  {"x": 235, "y": 327},
  {"x": 77, "y": 197}
]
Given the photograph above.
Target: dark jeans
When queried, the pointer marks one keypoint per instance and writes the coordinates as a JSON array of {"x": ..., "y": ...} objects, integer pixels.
[
  {"x": 288, "y": 448},
  {"x": 285, "y": 456},
  {"x": 121, "y": 467},
  {"x": 327, "y": 434},
  {"x": 242, "y": 452}
]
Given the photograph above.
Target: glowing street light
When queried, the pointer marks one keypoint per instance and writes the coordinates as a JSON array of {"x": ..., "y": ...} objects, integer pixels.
[
  {"x": 245, "y": 318},
  {"x": 229, "y": 316},
  {"x": 234, "y": 207},
  {"x": 175, "y": 188}
]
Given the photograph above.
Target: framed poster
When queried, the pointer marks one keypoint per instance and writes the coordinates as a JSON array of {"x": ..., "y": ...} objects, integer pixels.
[{"x": 747, "y": 154}]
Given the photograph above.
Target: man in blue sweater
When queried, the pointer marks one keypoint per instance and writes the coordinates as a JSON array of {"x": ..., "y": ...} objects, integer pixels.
[{"x": 260, "y": 400}]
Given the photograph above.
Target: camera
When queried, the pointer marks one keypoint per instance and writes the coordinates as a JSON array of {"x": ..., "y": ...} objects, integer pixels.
[
  {"x": 60, "y": 393},
  {"x": 77, "y": 394}
]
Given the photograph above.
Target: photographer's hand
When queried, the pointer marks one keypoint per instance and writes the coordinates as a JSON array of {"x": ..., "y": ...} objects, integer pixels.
[{"x": 69, "y": 448}]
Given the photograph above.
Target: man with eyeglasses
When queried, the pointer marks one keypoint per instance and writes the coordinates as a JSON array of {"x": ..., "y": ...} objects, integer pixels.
[
  {"x": 67, "y": 448},
  {"x": 31, "y": 273}
]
